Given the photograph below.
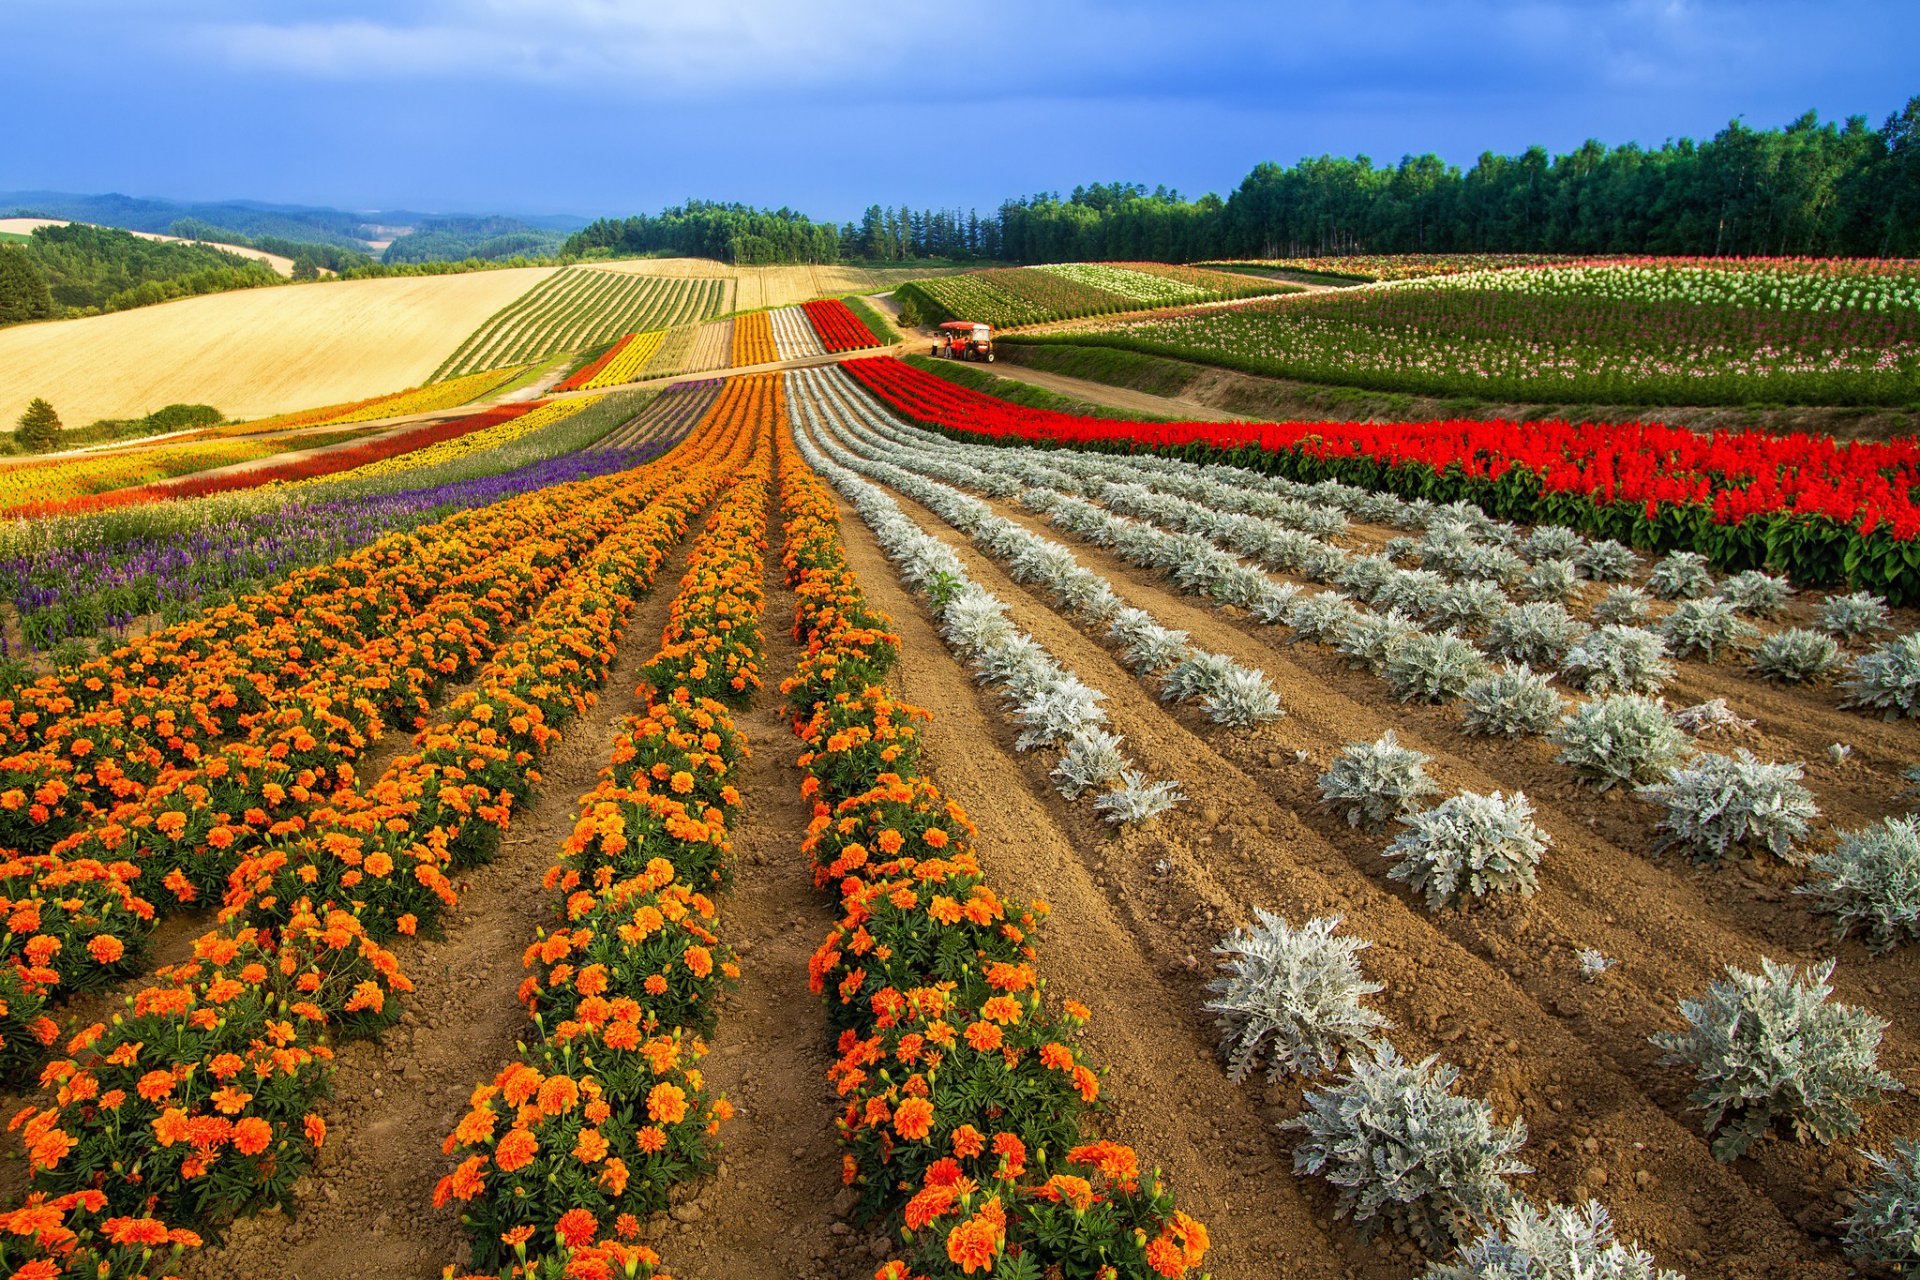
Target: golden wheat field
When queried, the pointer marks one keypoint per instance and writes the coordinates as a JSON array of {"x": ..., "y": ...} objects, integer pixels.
[{"x": 252, "y": 352}]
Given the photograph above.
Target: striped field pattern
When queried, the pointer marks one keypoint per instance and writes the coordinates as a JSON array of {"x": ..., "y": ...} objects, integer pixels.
[{"x": 581, "y": 307}]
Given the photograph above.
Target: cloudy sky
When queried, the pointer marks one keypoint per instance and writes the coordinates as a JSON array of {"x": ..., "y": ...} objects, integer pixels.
[{"x": 610, "y": 106}]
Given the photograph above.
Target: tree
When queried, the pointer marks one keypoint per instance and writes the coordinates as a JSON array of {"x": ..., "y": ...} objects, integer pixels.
[
  {"x": 39, "y": 428},
  {"x": 23, "y": 292}
]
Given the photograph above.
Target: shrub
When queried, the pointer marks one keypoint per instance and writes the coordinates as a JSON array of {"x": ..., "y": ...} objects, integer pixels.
[
  {"x": 1707, "y": 626},
  {"x": 1322, "y": 616},
  {"x": 1370, "y": 639},
  {"x": 1294, "y": 996},
  {"x": 1769, "y": 1049},
  {"x": 1617, "y": 660},
  {"x": 1145, "y": 646},
  {"x": 1472, "y": 603},
  {"x": 1719, "y": 802},
  {"x": 1372, "y": 783},
  {"x": 1414, "y": 591},
  {"x": 1365, "y": 575},
  {"x": 1091, "y": 758},
  {"x": 1552, "y": 542},
  {"x": 1886, "y": 680},
  {"x": 39, "y": 428},
  {"x": 1885, "y": 1223},
  {"x": 1871, "y": 880},
  {"x": 1432, "y": 668},
  {"x": 1561, "y": 1244},
  {"x": 1469, "y": 847},
  {"x": 1273, "y": 602},
  {"x": 1681, "y": 576},
  {"x": 1133, "y": 799},
  {"x": 1628, "y": 606},
  {"x": 1795, "y": 656},
  {"x": 1852, "y": 617},
  {"x": 1594, "y": 962},
  {"x": 1607, "y": 561},
  {"x": 1619, "y": 741},
  {"x": 1195, "y": 676},
  {"x": 1756, "y": 594},
  {"x": 1537, "y": 634},
  {"x": 1510, "y": 703},
  {"x": 1242, "y": 700},
  {"x": 1407, "y": 1152},
  {"x": 1551, "y": 580}
]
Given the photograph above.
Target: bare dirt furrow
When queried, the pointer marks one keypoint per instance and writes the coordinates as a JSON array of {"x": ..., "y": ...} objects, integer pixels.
[{"x": 1453, "y": 985}]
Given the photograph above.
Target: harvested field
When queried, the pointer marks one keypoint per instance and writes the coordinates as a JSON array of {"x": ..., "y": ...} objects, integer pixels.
[{"x": 252, "y": 352}]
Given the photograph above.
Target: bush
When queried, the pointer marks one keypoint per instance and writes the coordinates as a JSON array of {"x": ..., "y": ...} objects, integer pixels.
[
  {"x": 1243, "y": 699},
  {"x": 1795, "y": 656},
  {"x": 1710, "y": 719},
  {"x": 1607, "y": 561},
  {"x": 1372, "y": 783},
  {"x": 1707, "y": 626},
  {"x": 1871, "y": 880},
  {"x": 1091, "y": 758},
  {"x": 1406, "y": 1152},
  {"x": 1370, "y": 638},
  {"x": 1537, "y": 634},
  {"x": 1681, "y": 576},
  {"x": 1433, "y": 668},
  {"x": 1561, "y": 1244},
  {"x": 1718, "y": 803},
  {"x": 1768, "y": 1049},
  {"x": 1510, "y": 703},
  {"x": 1628, "y": 606},
  {"x": 1885, "y": 1223},
  {"x": 1323, "y": 616},
  {"x": 1886, "y": 680},
  {"x": 1294, "y": 996},
  {"x": 1469, "y": 847},
  {"x": 1852, "y": 617},
  {"x": 1552, "y": 542},
  {"x": 1133, "y": 799},
  {"x": 1551, "y": 580},
  {"x": 1472, "y": 603},
  {"x": 39, "y": 428},
  {"x": 1756, "y": 594},
  {"x": 1615, "y": 659},
  {"x": 1619, "y": 741}
]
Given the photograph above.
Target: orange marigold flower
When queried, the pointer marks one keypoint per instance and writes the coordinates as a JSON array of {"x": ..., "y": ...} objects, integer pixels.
[
  {"x": 518, "y": 1236},
  {"x": 1165, "y": 1258},
  {"x": 590, "y": 1147},
  {"x": 576, "y": 1227},
  {"x": 913, "y": 1118},
  {"x": 155, "y": 1085},
  {"x": 666, "y": 1103},
  {"x": 145, "y": 1231},
  {"x": 973, "y": 1244},
  {"x": 650, "y": 1139},
  {"x": 929, "y": 1205},
  {"x": 967, "y": 1142},
  {"x": 559, "y": 1095},
  {"x": 700, "y": 961},
  {"x": 105, "y": 948},
  {"x": 983, "y": 1037},
  {"x": 1002, "y": 1009},
  {"x": 230, "y": 1100},
  {"x": 316, "y": 1129},
  {"x": 516, "y": 1150},
  {"x": 251, "y": 1136}
]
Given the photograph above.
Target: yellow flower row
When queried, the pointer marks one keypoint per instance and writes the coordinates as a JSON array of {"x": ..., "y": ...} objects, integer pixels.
[
  {"x": 462, "y": 446},
  {"x": 58, "y": 480},
  {"x": 438, "y": 395},
  {"x": 632, "y": 358}
]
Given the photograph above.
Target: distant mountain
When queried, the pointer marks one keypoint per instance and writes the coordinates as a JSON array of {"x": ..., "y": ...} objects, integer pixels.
[
  {"x": 456, "y": 239},
  {"x": 313, "y": 225}
]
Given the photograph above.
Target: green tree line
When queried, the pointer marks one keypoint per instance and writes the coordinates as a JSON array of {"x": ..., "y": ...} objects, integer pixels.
[
  {"x": 705, "y": 229},
  {"x": 78, "y": 269}
]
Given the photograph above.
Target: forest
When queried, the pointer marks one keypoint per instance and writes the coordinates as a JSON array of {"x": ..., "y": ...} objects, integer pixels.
[
  {"x": 734, "y": 233},
  {"x": 78, "y": 269}
]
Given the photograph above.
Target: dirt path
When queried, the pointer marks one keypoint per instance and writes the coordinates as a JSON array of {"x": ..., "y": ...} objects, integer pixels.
[{"x": 1116, "y": 397}]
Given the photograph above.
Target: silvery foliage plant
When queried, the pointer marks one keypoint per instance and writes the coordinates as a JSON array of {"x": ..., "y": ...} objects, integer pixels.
[
  {"x": 1795, "y": 656},
  {"x": 1607, "y": 561},
  {"x": 1617, "y": 659},
  {"x": 1370, "y": 638},
  {"x": 1619, "y": 741},
  {"x": 1870, "y": 881},
  {"x": 1090, "y": 759},
  {"x": 1710, "y": 719},
  {"x": 1886, "y": 680},
  {"x": 1770, "y": 1050},
  {"x": 1432, "y": 667},
  {"x": 1407, "y": 1153},
  {"x": 1884, "y": 1225},
  {"x": 1562, "y": 1243},
  {"x": 1372, "y": 783},
  {"x": 1538, "y": 634},
  {"x": 1623, "y": 606},
  {"x": 1682, "y": 575},
  {"x": 1854, "y": 617},
  {"x": 1756, "y": 594},
  {"x": 1716, "y": 804},
  {"x": 1551, "y": 580},
  {"x": 1707, "y": 626},
  {"x": 1295, "y": 998},
  {"x": 1512, "y": 702},
  {"x": 1134, "y": 799},
  {"x": 1471, "y": 846}
]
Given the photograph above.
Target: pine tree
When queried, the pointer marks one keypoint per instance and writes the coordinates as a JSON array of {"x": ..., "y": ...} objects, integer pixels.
[
  {"x": 39, "y": 428},
  {"x": 23, "y": 293}
]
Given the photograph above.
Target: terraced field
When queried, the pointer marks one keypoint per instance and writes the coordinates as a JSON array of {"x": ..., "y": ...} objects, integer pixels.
[{"x": 581, "y": 307}]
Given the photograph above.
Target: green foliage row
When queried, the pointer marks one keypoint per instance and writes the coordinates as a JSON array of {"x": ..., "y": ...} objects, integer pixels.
[
  {"x": 580, "y": 307},
  {"x": 706, "y": 229}
]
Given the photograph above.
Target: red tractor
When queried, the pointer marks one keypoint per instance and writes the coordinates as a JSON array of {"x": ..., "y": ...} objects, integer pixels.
[{"x": 965, "y": 340}]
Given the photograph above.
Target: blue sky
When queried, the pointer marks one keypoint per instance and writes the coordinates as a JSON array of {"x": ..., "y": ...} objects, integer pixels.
[{"x": 610, "y": 106}]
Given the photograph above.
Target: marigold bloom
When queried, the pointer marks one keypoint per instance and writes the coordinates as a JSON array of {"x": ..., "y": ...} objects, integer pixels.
[
  {"x": 576, "y": 1227},
  {"x": 106, "y": 948},
  {"x": 913, "y": 1118},
  {"x": 251, "y": 1136},
  {"x": 666, "y": 1103},
  {"x": 516, "y": 1150}
]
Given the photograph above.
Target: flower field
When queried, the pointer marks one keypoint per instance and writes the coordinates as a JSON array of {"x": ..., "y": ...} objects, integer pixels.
[
  {"x": 428, "y": 399},
  {"x": 34, "y": 485},
  {"x": 1626, "y": 331},
  {"x": 581, "y": 307},
  {"x": 837, "y": 824},
  {"x": 1398, "y": 266},
  {"x": 1011, "y": 296}
]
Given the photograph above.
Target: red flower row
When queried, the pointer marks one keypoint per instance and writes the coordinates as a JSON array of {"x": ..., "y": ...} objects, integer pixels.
[{"x": 838, "y": 327}]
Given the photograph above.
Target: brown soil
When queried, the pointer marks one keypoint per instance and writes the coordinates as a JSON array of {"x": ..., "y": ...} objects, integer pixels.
[
  {"x": 1247, "y": 396},
  {"x": 1495, "y": 989}
]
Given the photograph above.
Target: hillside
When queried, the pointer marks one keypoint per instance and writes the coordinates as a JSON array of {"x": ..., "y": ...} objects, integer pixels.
[{"x": 252, "y": 352}]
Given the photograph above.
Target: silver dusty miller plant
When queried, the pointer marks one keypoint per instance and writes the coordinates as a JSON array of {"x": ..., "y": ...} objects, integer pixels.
[
  {"x": 1510, "y": 703},
  {"x": 1470, "y": 846},
  {"x": 1607, "y": 561},
  {"x": 1538, "y": 634},
  {"x": 1091, "y": 758},
  {"x": 1769, "y": 1049},
  {"x": 1372, "y": 783},
  {"x": 1884, "y": 1225},
  {"x": 1293, "y": 997},
  {"x": 1617, "y": 659},
  {"x": 1708, "y": 627},
  {"x": 1715, "y": 804},
  {"x": 1887, "y": 680},
  {"x": 1870, "y": 880},
  {"x": 1370, "y": 638},
  {"x": 1432, "y": 668},
  {"x": 1795, "y": 656},
  {"x": 1553, "y": 580},
  {"x": 1681, "y": 576},
  {"x": 1756, "y": 594},
  {"x": 1407, "y": 1153},
  {"x": 1134, "y": 799},
  {"x": 1560, "y": 1244},
  {"x": 1623, "y": 606},
  {"x": 1619, "y": 741},
  {"x": 1854, "y": 617},
  {"x": 1711, "y": 719}
]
